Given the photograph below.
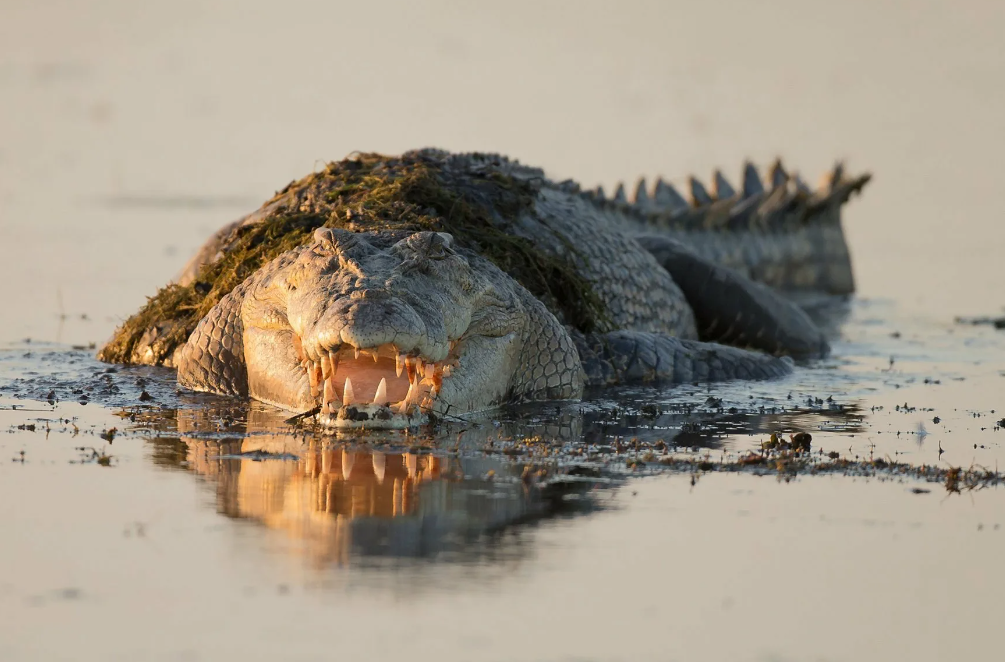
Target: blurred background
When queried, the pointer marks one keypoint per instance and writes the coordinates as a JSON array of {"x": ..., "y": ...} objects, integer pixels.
[{"x": 130, "y": 131}]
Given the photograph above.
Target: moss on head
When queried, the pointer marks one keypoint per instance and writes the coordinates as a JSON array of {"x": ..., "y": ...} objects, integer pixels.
[{"x": 372, "y": 193}]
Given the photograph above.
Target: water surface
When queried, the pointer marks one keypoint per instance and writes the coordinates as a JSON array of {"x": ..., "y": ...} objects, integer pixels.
[{"x": 209, "y": 529}]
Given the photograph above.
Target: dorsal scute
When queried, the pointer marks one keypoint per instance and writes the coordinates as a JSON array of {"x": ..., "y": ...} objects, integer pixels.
[
  {"x": 699, "y": 194},
  {"x": 619, "y": 194},
  {"x": 831, "y": 180},
  {"x": 777, "y": 174},
  {"x": 721, "y": 187},
  {"x": 641, "y": 199},
  {"x": 752, "y": 184},
  {"x": 667, "y": 198}
]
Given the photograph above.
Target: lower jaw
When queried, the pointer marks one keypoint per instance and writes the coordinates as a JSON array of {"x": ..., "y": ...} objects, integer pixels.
[{"x": 373, "y": 417}]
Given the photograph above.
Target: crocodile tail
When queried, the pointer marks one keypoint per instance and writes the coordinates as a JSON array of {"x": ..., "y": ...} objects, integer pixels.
[{"x": 777, "y": 231}]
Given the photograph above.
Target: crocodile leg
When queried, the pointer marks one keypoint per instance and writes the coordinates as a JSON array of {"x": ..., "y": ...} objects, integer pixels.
[
  {"x": 732, "y": 309},
  {"x": 638, "y": 357}
]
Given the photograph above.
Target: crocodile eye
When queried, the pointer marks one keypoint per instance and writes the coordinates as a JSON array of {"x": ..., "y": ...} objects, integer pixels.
[
  {"x": 439, "y": 246},
  {"x": 333, "y": 242},
  {"x": 325, "y": 238}
]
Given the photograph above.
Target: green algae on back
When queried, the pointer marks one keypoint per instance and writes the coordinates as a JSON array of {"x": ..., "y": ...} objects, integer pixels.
[{"x": 370, "y": 193}]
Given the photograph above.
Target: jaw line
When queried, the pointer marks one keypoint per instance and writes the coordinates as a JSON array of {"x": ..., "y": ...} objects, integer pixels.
[{"x": 373, "y": 417}]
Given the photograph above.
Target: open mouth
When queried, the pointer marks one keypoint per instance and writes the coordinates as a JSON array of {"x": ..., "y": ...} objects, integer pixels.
[{"x": 377, "y": 387}]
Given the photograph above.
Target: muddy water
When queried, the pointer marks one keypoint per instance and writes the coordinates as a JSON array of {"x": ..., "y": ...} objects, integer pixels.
[{"x": 208, "y": 529}]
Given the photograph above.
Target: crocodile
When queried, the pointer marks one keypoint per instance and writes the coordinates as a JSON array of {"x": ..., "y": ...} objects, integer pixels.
[{"x": 385, "y": 291}]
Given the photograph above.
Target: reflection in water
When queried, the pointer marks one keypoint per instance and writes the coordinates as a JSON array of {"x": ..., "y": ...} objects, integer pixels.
[
  {"x": 438, "y": 495},
  {"x": 345, "y": 502}
]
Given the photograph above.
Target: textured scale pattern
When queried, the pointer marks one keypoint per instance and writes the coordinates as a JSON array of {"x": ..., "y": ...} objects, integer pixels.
[
  {"x": 213, "y": 357},
  {"x": 549, "y": 366},
  {"x": 630, "y": 357},
  {"x": 637, "y": 292}
]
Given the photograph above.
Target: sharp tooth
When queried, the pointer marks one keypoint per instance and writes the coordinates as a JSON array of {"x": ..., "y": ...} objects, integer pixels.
[
  {"x": 356, "y": 349},
  {"x": 326, "y": 367},
  {"x": 325, "y": 409},
  {"x": 312, "y": 377},
  {"x": 412, "y": 395},
  {"x": 399, "y": 364},
  {"x": 329, "y": 391},
  {"x": 437, "y": 383},
  {"x": 447, "y": 370},
  {"x": 410, "y": 368},
  {"x": 427, "y": 403},
  {"x": 430, "y": 369},
  {"x": 380, "y": 397},
  {"x": 333, "y": 357},
  {"x": 347, "y": 395},
  {"x": 374, "y": 356}
]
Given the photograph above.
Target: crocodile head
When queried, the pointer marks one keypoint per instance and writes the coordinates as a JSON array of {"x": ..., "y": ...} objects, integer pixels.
[{"x": 381, "y": 337}]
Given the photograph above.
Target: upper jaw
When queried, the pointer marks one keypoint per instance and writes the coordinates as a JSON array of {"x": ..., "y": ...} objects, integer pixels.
[{"x": 373, "y": 322}]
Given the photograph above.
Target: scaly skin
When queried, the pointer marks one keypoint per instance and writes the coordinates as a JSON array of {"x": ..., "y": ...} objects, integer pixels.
[{"x": 466, "y": 336}]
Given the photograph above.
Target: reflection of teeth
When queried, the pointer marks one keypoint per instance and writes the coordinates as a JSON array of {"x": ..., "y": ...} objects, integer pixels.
[
  {"x": 399, "y": 364},
  {"x": 348, "y": 459},
  {"x": 412, "y": 464},
  {"x": 347, "y": 395},
  {"x": 378, "y": 466},
  {"x": 380, "y": 397}
]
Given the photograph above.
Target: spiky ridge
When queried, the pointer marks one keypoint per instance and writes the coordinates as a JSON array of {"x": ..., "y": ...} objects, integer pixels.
[
  {"x": 782, "y": 203},
  {"x": 470, "y": 196}
]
